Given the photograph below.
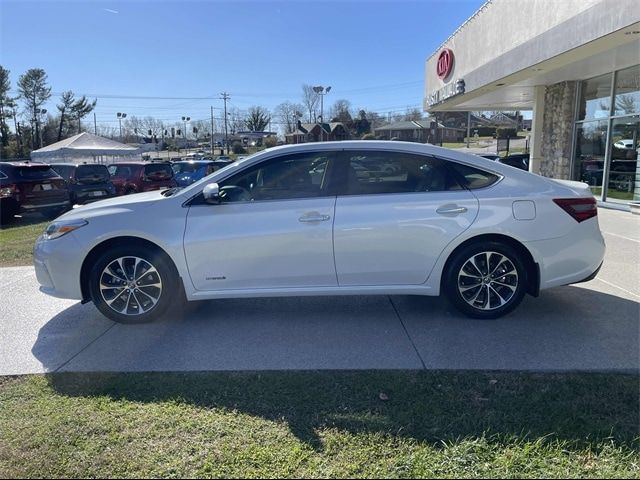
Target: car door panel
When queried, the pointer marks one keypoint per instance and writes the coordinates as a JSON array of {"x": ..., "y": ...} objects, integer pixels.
[{"x": 395, "y": 239}]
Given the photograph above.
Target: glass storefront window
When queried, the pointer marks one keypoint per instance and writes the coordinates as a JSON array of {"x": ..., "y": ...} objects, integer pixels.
[
  {"x": 591, "y": 143},
  {"x": 627, "y": 100},
  {"x": 623, "y": 170},
  {"x": 595, "y": 98}
]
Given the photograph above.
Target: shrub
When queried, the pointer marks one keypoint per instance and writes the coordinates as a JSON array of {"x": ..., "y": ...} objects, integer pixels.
[
  {"x": 270, "y": 142},
  {"x": 503, "y": 132},
  {"x": 368, "y": 136},
  {"x": 237, "y": 148}
]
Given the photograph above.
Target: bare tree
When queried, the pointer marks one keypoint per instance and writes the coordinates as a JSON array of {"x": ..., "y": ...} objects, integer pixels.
[
  {"x": 341, "y": 112},
  {"x": 310, "y": 101},
  {"x": 289, "y": 113},
  {"x": 236, "y": 121}
]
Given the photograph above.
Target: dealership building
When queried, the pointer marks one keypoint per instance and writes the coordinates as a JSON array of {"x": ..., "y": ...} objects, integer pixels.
[{"x": 574, "y": 63}]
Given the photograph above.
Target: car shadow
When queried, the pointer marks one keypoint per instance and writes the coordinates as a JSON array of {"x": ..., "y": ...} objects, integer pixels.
[{"x": 432, "y": 406}]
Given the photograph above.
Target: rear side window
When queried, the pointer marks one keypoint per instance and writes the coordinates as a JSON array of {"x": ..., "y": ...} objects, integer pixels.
[
  {"x": 158, "y": 171},
  {"x": 380, "y": 172},
  {"x": 35, "y": 173},
  {"x": 120, "y": 170},
  {"x": 473, "y": 178},
  {"x": 92, "y": 171}
]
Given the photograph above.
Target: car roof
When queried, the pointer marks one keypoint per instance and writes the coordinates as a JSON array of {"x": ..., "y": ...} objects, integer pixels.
[
  {"x": 194, "y": 161},
  {"x": 23, "y": 163}
]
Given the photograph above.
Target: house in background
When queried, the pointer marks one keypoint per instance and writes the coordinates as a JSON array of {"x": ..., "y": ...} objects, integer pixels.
[
  {"x": 420, "y": 131},
  {"x": 317, "y": 132}
]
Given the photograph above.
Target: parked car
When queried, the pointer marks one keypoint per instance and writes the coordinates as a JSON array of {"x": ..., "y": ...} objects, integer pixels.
[
  {"x": 135, "y": 177},
  {"x": 189, "y": 171},
  {"x": 517, "y": 160},
  {"x": 86, "y": 182},
  {"x": 480, "y": 232},
  {"x": 626, "y": 143},
  {"x": 224, "y": 158},
  {"x": 31, "y": 187}
]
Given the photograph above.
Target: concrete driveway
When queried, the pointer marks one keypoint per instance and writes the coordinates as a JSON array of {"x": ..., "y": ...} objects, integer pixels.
[{"x": 591, "y": 326}]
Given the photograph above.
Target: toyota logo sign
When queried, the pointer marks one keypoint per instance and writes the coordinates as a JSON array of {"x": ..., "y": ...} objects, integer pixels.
[{"x": 445, "y": 63}]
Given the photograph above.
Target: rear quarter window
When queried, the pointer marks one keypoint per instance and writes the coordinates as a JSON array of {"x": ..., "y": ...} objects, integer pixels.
[
  {"x": 473, "y": 178},
  {"x": 84, "y": 171},
  {"x": 158, "y": 171}
]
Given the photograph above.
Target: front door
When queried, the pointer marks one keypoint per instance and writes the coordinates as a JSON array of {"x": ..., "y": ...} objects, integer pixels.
[{"x": 272, "y": 229}]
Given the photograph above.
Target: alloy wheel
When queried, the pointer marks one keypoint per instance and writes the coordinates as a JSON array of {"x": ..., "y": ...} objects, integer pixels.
[
  {"x": 130, "y": 285},
  {"x": 487, "y": 280}
]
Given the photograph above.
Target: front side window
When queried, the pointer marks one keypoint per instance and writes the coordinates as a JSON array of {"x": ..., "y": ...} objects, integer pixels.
[
  {"x": 293, "y": 176},
  {"x": 380, "y": 172}
]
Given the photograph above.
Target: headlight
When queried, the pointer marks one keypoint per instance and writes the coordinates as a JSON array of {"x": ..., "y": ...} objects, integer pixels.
[{"x": 58, "y": 229}]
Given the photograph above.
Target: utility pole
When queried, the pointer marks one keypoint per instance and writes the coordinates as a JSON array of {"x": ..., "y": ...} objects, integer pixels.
[
  {"x": 95, "y": 125},
  {"x": 468, "y": 127},
  {"x": 225, "y": 97},
  {"x": 212, "y": 130}
]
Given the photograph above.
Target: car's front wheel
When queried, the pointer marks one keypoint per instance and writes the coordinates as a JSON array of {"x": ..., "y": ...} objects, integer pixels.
[
  {"x": 486, "y": 279},
  {"x": 133, "y": 284}
]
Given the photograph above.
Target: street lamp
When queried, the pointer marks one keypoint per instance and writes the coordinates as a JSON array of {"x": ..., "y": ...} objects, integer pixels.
[
  {"x": 120, "y": 117},
  {"x": 184, "y": 135},
  {"x": 322, "y": 91}
]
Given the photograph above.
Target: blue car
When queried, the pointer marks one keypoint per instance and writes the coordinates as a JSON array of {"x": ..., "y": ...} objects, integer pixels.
[{"x": 187, "y": 172}]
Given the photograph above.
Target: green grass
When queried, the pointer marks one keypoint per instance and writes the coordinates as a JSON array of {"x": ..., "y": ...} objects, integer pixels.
[
  {"x": 17, "y": 240},
  {"x": 320, "y": 424}
]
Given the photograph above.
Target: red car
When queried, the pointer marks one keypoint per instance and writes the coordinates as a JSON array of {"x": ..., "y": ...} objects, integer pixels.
[
  {"x": 31, "y": 187},
  {"x": 135, "y": 177}
]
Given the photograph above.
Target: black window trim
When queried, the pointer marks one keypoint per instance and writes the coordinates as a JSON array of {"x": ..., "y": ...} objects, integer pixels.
[{"x": 198, "y": 200}]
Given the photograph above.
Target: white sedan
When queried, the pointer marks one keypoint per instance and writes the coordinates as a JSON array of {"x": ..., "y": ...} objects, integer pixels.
[{"x": 325, "y": 219}]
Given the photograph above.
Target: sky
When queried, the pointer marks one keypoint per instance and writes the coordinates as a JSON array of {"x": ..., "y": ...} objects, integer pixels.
[{"x": 173, "y": 59}]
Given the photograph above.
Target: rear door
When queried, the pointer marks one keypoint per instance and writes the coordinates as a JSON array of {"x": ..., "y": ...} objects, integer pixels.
[{"x": 395, "y": 214}]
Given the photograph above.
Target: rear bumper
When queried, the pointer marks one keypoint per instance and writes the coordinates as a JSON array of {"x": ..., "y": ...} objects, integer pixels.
[
  {"x": 27, "y": 207},
  {"x": 573, "y": 258}
]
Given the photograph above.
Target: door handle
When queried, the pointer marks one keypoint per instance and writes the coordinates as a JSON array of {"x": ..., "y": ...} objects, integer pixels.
[
  {"x": 451, "y": 210},
  {"x": 314, "y": 217}
]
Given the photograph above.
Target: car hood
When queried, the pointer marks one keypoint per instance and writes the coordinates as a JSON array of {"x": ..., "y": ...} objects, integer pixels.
[{"x": 114, "y": 205}]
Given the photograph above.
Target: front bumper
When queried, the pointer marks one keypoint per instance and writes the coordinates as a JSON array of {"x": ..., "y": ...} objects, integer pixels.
[{"x": 57, "y": 264}]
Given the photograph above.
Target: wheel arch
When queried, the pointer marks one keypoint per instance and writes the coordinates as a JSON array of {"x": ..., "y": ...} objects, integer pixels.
[
  {"x": 533, "y": 268},
  {"x": 97, "y": 250}
]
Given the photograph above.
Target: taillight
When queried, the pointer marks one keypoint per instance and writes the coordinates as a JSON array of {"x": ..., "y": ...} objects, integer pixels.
[
  {"x": 9, "y": 191},
  {"x": 579, "y": 208}
]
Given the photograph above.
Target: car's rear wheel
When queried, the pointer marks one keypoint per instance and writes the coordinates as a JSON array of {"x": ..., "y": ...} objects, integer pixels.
[
  {"x": 133, "y": 284},
  {"x": 486, "y": 280}
]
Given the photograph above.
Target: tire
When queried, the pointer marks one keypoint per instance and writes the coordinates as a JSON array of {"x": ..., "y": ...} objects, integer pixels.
[
  {"x": 142, "y": 297},
  {"x": 481, "y": 292}
]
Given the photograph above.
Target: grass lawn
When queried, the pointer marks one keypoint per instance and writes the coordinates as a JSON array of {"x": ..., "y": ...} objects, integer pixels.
[
  {"x": 17, "y": 239},
  {"x": 392, "y": 424}
]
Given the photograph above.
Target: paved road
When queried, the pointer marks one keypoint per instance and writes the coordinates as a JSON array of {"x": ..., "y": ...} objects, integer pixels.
[{"x": 592, "y": 326}]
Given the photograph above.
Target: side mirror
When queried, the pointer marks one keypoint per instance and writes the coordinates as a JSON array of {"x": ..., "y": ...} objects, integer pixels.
[{"x": 211, "y": 193}]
